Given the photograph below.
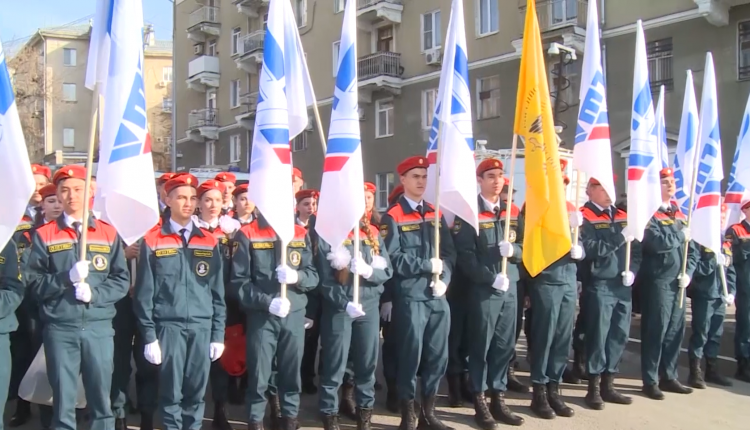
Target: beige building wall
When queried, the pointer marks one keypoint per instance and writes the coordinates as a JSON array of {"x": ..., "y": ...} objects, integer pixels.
[{"x": 157, "y": 70}]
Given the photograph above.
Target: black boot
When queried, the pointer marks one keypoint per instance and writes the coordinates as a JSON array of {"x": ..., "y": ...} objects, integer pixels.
[
  {"x": 593, "y": 396},
  {"x": 556, "y": 402},
  {"x": 275, "y": 418},
  {"x": 22, "y": 414},
  {"x": 427, "y": 418},
  {"x": 539, "y": 403},
  {"x": 514, "y": 384},
  {"x": 220, "y": 421},
  {"x": 408, "y": 418},
  {"x": 466, "y": 392},
  {"x": 255, "y": 426},
  {"x": 610, "y": 394},
  {"x": 391, "y": 397},
  {"x": 482, "y": 415},
  {"x": 579, "y": 365},
  {"x": 364, "y": 419},
  {"x": 674, "y": 386},
  {"x": 147, "y": 421},
  {"x": 347, "y": 405},
  {"x": 569, "y": 377},
  {"x": 743, "y": 370},
  {"x": 713, "y": 376},
  {"x": 653, "y": 392},
  {"x": 501, "y": 412},
  {"x": 289, "y": 423},
  {"x": 121, "y": 424},
  {"x": 454, "y": 391},
  {"x": 695, "y": 379},
  {"x": 330, "y": 422},
  {"x": 235, "y": 395}
]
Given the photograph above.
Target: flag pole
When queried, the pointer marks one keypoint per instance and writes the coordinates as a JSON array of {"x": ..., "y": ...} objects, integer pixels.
[
  {"x": 89, "y": 166},
  {"x": 506, "y": 228},
  {"x": 437, "y": 220},
  {"x": 282, "y": 262},
  {"x": 577, "y": 228},
  {"x": 723, "y": 276},
  {"x": 690, "y": 207},
  {"x": 319, "y": 125}
]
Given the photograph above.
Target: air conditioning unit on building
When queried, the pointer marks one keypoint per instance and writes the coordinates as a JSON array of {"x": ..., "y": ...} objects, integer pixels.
[
  {"x": 433, "y": 57},
  {"x": 309, "y": 124},
  {"x": 198, "y": 49}
]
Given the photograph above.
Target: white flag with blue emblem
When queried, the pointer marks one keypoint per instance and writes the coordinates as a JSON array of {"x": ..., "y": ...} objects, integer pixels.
[
  {"x": 14, "y": 159},
  {"x": 457, "y": 169},
  {"x": 661, "y": 130},
  {"x": 738, "y": 189},
  {"x": 126, "y": 193},
  {"x": 684, "y": 157}
]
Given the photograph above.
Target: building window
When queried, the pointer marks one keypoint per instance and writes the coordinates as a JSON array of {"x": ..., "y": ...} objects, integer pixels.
[
  {"x": 234, "y": 93},
  {"x": 300, "y": 12},
  {"x": 69, "y": 92},
  {"x": 743, "y": 50},
  {"x": 235, "y": 148},
  {"x": 488, "y": 97},
  {"x": 384, "y": 183},
  {"x": 335, "y": 48},
  {"x": 236, "y": 36},
  {"x": 69, "y": 56},
  {"x": 488, "y": 17},
  {"x": 211, "y": 51},
  {"x": 431, "y": 38},
  {"x": 166, "y": 74},
  {"x": 659, "y": 53},
  {"x": 338, "y": 6},
  {"x": 299, "y": 143},
  {"x": 69, "y": 137},
  {"x": 428, "y": 107},
  {"x": 265, "y": 22},
  {"x": 384, "y": 118},
  {"x": 210, "y": 152}
]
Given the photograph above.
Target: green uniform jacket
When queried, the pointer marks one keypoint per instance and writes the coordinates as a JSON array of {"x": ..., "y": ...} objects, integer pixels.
[
  {"x": 739, "y": 236},
  {"x": 11, "y": 288},
  {"x": 369, "y": 289},
  {"x": 605, "y": 245},
  {"x": 257, "y": 254},
  {"x": 664, "y": 247},
  {"x": 409, "y": 239},
  {"x": 179, "y": 285},
  {"x": 706, "y": 281},
  {"x": 54, "y": 251}
]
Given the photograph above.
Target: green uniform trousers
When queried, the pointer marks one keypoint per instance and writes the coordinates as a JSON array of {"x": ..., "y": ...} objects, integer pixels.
[
  {"x": 4, "y": 371},
  {"x": 342, "y": 337},
  {"x": 492, "y": 324},
  {"x": 390, "y": 351},
  {"x": 742, "y": 329},
  {"x": 607, "y": 312},
  {"x": 24, "y": 343},
  {"x": 458, "y": 339},
  {"x": 662, "y": 330},
  {"x": 708, "y": 326},
  {"x": 579, "y": 328},
  {"x": 283, "y": 339},
  {"x": 422, "y": 330},
  {"x": 183, "y": 375},
  {"x": 88, "y": 352},
  {"x": 554, "y": 308}
]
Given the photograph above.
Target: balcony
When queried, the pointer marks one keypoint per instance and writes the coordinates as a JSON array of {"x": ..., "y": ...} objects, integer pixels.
[
  {"x": 250, "y": 8},
  {"x": 203, "y": 23},
  {"x": 166, "y": 105},
  {"x": 562, "y": 21},
  {"x": 249, "y": 102},
  {"x": 250, "y": 51},
  {"x": 203, "y": 124},
  {"x": 203, "y": 73},
  {"x": 376, "y": 10},
  {"x": 379, "y": 71}
]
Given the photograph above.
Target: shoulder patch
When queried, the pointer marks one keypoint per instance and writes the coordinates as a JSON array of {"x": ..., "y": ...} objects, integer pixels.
[
  {"x": 383, "y": 230},
  {"x": 456, "y": 225}
]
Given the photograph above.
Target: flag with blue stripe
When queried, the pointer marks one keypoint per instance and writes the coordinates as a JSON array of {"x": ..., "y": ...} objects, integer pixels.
[
  {"x": 660, "y": 130},
  {"x": 738, "y": 189},
  {"x": 687, "y": 142}
]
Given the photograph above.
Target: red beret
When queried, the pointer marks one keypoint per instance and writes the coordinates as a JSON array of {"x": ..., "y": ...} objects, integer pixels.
[
  {"x": 594, "y": 181},
  {"x": 241, "y": 189},
  {"x": 73, "y": 171},
  {"x": 306, "y": 194},
  {"x": 395, "y": 194},
  {"x": 369, "y": 186},
  {"x": 226, "y": 177},
  {"x": 745, "y": 205},
  {"x": 297, "y": 173},
  {"x": 563, "y": 164},
  {"x": 181, "y": 180},
  {"x": 666, "y": 173},
  {"x": 416, "y": 162},
  {"x": 489, "y": 164},
  {"x": 211, "y": 184},
  {"x": 165, "y": 177},
  {"x": 566, "y": 179},
  {"x": 38, "y": 169},
  {"x": 48, "y": 190}
]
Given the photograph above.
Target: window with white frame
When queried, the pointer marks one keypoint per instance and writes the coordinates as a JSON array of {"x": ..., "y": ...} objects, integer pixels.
[
  {"x": 338, "y": 6},
  {"x": 166, "y": 74},
  {"x": 384, "y": 182},
  {"x": 488, "y": 17},
  {"x": 428, "y": 107},
  {"x": 431, "y": 38},
  {"x": 384, "y": 118},
  {"x": 659, "y": 53},
  {"x": 210, "y": 152},
  {"x": 236, "y": 36},
  {"x": 234, "y": 93},
  {"x": 69, "y": 57},
  {"x": 488, "y": 97},
  {"x": 743, "y": 50},
  {"x": 300, "y": 12},
  {"x": 211, "y": 51},
  {"x": 299, "y": 143},
  {"x": 235, "y": 148},
  {"x": 69, "y": 137},
  {"x": 265, "y": 22},
  {"x": 69, "y": 92},
  {"x": 335, "y": 48}
]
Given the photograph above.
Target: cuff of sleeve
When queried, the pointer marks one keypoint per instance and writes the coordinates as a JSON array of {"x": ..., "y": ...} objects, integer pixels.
[
  {"x": 150, "y": 337},
  {"x": 217, "y": 336}
]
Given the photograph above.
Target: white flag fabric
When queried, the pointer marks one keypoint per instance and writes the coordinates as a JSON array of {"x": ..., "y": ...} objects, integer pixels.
[
  {"x": 644, "y": 164},
  {"x": 15, "y": 168},
  {"x": 738, "y": 189},
  {"x": 707, "y": 213},
  {"x": 687, "y": 143},
  {"x": 97, "y": 65},
  {"x": 126, "y": 193},
  {"x": 457, "y": 170},
  {"x": 661, "y": 130},
  {"x": 592, "y": 153}
]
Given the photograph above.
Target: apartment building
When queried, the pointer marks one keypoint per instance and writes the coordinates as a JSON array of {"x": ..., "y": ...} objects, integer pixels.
[
  {"x": 219, "y": 47},
  {"x": 49, "y": 74}
]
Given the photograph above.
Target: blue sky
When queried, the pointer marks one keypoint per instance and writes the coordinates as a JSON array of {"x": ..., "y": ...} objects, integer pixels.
[{"x": 26, "y": 16}]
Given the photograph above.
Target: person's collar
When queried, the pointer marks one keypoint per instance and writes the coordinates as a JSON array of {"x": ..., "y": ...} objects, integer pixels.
[
  {"x": 303, "y": 223},
  {"x": 32, "y": 211},
  {"x": 665, "y": 206},
  {"x": 69, "y": 220},
  {"x": 176, "y": 227},
  {"x": 601, "y": 208},
  {"x": 205, "y": 224},
  {"x": 414, "y": 204},
  {"x": 489, "y": 205}
]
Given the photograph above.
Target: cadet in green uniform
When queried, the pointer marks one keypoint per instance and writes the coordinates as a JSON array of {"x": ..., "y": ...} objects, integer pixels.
[
  {"x": 491, "y": 294},
  {"x": 739, "y": 236},
  {"x": 663, "y": 322},
  {"x": 275, "y": 325},
  {"x": 77, "y": 303},
  {"x": 420, "y": 311},
  {"x": 607, "y": 293},
  {"x": 11, "y": 294}
]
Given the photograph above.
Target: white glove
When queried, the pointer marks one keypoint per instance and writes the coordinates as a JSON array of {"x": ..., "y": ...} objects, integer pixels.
[
  {"x": 683, "y": 281},
  {"x": 79, "y": 272},
  {"x": 309, "y": 323},
  {"x": 438, "y": 288},
  {"x": 576, "y": 252},
  {"x": 354, "y": 311},
  {"x": 686, "y": 232},
  {"x": 385, "y": 311},
  {"x": 437, "y": 266},
  {"x": 152, "y": 353},
  {"x": 721, "y": 260},
  {"x": 506, "y": 249},
  {"x": 501, "y": 282},
  {"x": 628, "y": 278},
  {"x": 286, "y": 275},
  {"x": 575, "y": 219},
  {"x": 215, "y": 350},
  {"x": 228, "y": 224},
  {"x": 339, "y": 258},
  {"x": 359, "y": 267},
  {"x": 280, "y": 307},
  {"x": 83, "y": 292},
  {"x": 728, "y": 299}
]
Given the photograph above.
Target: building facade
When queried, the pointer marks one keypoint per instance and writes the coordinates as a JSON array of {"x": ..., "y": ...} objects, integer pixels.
[
  {"x": 49, "y": 74},
  {"x": 219, "y": 49}
]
